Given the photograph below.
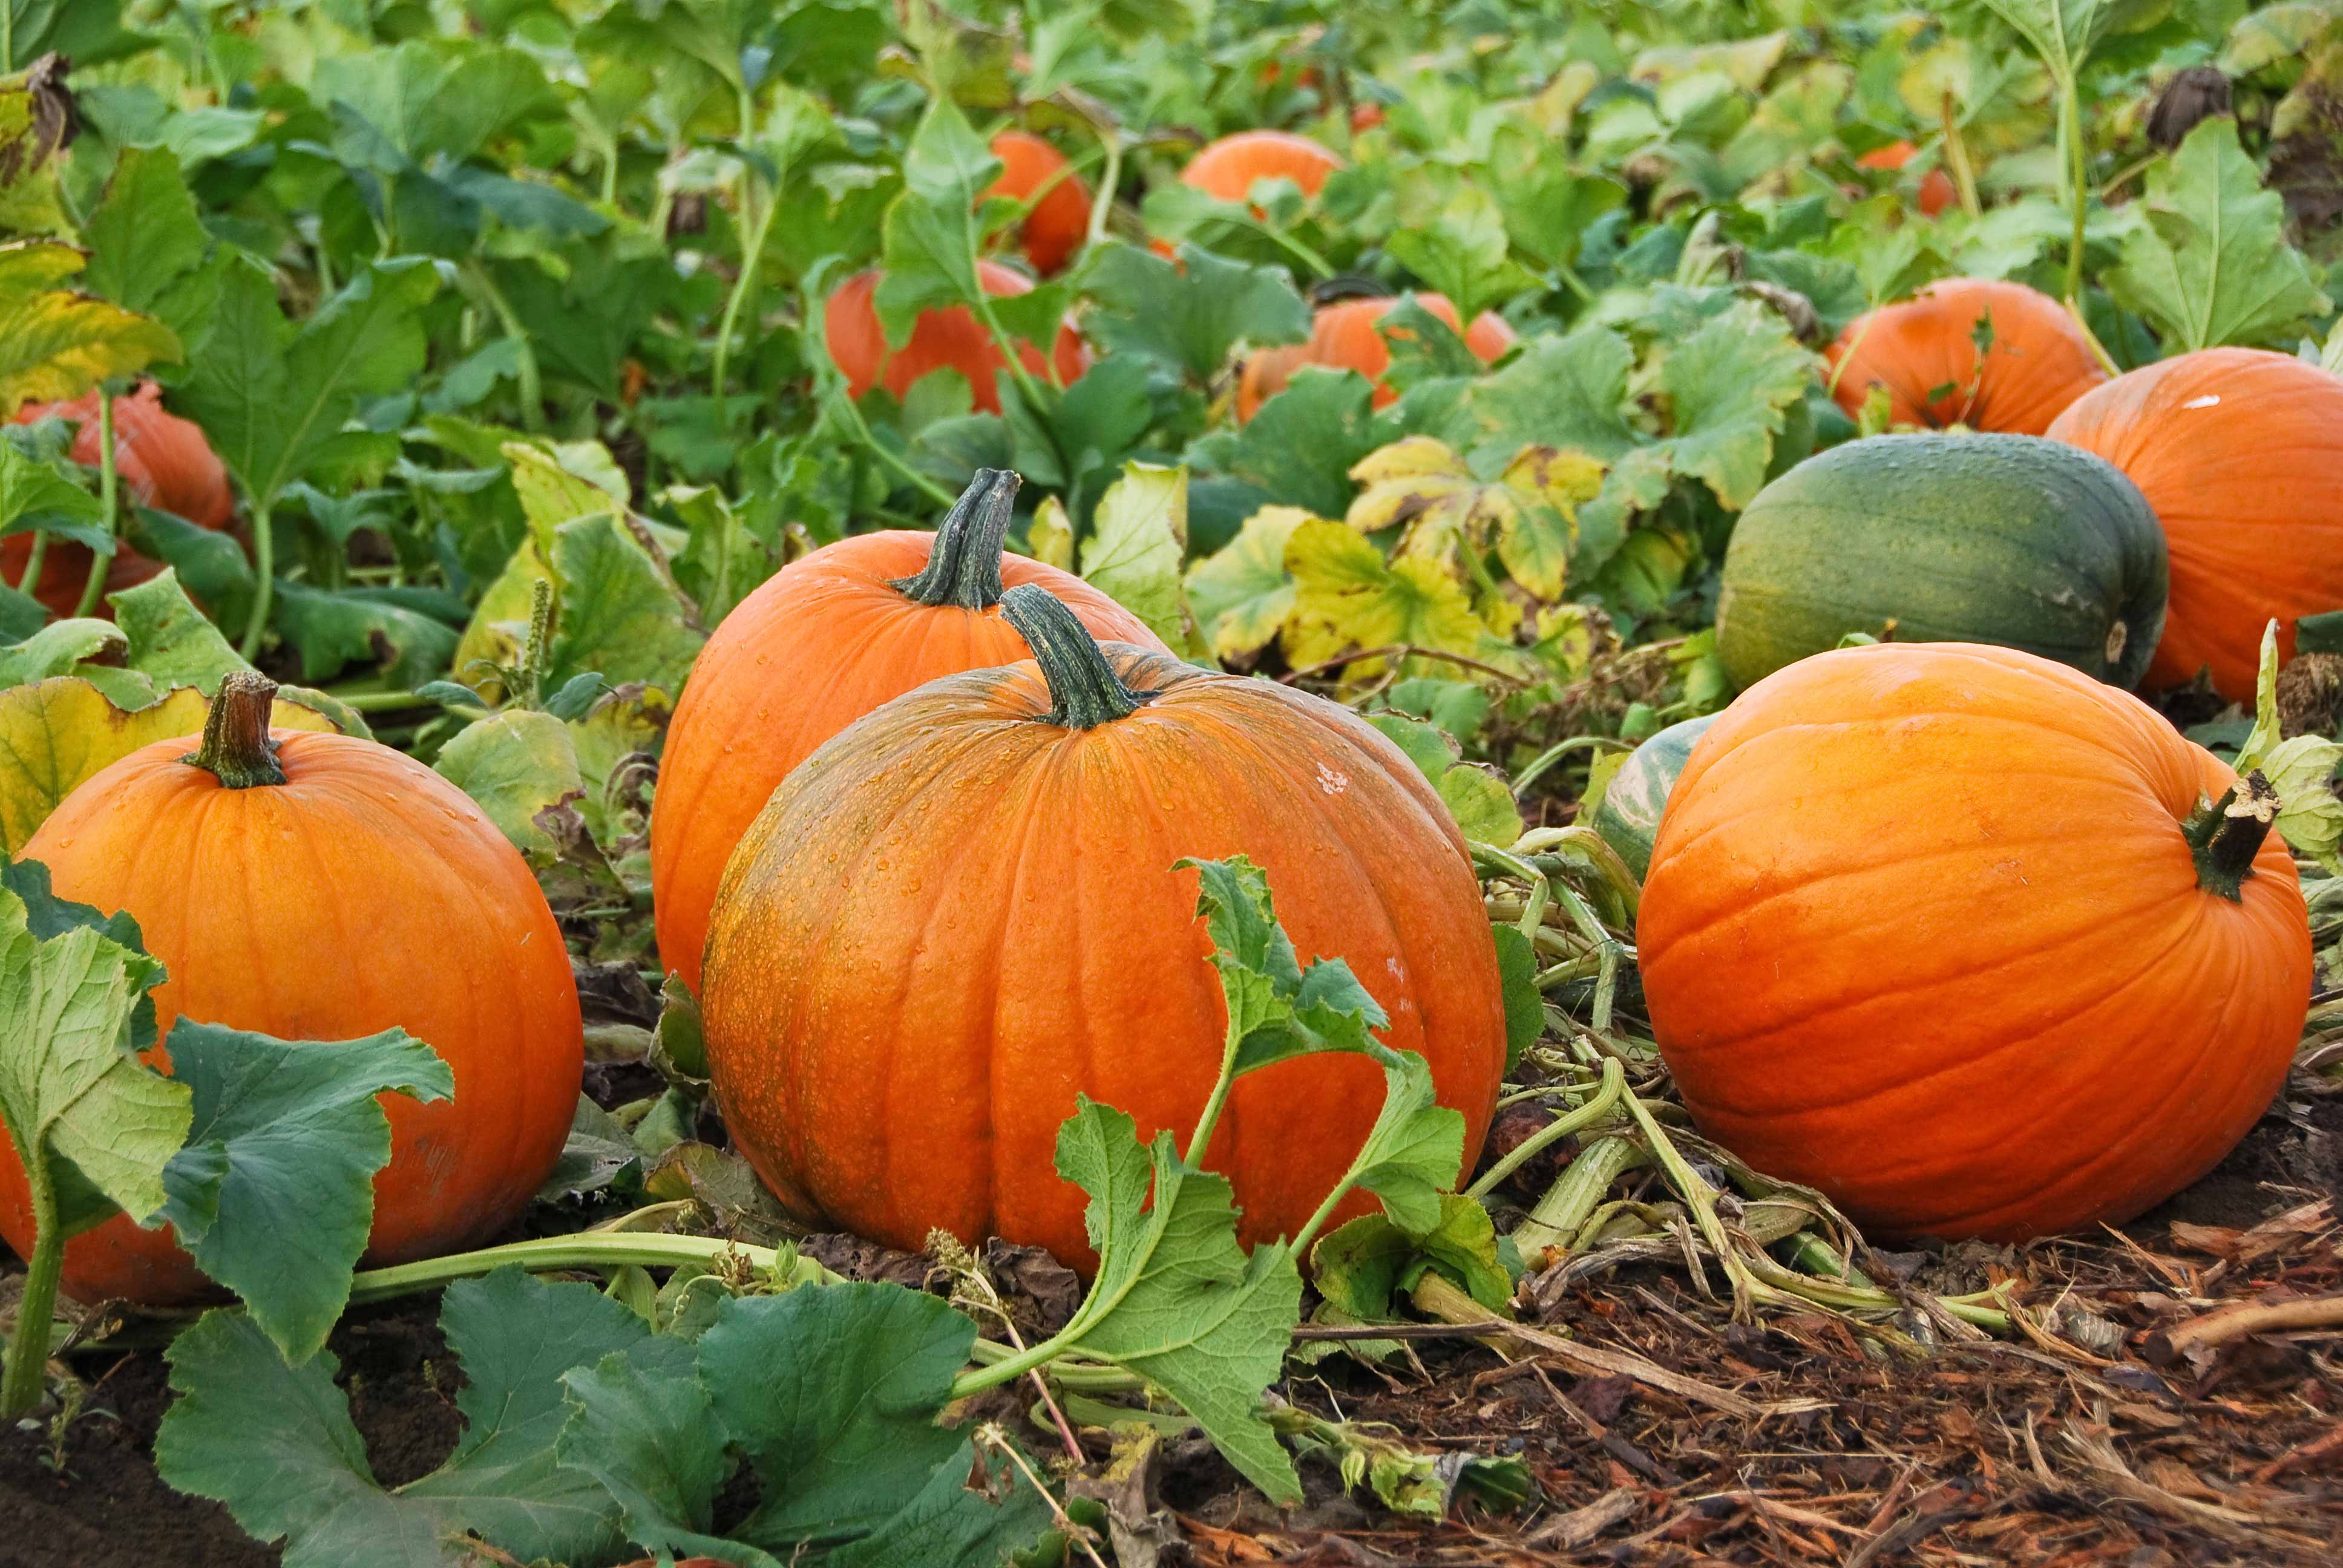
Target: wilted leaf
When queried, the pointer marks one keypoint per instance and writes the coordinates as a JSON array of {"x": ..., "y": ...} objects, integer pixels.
[
  {"x": 1348, "y": 598},
  {"x": 1242, "y": 594}
]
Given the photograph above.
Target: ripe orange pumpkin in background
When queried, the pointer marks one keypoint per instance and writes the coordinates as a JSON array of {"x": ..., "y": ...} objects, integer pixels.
[
  {"x": 1923, "y": 930},
  {"x": 1345, "y": 337},
  {"x": 162, "y": 461},
  {"x": 823, "y": 641},
  {"x": 2240, "y": 453},
  {"x": 1936, "y": 190},
  {"x": 322, "y": 886},
  {"x": 1924, "y": 351},
  {"x": 948, "y": 338},
  {"x": 962, "y": 912},
  {"x": 1226, "y": 169},
  {"x": 1055, "y": 225}
]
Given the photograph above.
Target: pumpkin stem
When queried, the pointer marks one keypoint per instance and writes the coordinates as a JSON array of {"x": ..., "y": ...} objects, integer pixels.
[
  {"x": 2225, "y": 835},
  {"x": 964, "y": 567},
  {"x": 1084, "y": 691},
  {"x": 236, "y": 749}
]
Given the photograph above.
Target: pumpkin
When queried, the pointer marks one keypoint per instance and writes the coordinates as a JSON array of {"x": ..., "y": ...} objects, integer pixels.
[
  {"x": 1936, "y": 190},
  {"x": 162, "y": 461},
  {"x": 962, "y": 912},
  {"x": 1346, "y": 336},
  {"x": 1926, "y": 353},
  {"x": 818, "y": 645},
  {"x": 949, "y": 337},
  {"x": 1226, "y": 169},
  {"x": 2241, "y": 452},
  {"x": 1969, "y": 942},
  {"x": 1628, "y": 815},
  {"x": 1058, "y": 223},
  {"x": 2007, "y": 540},
  {"x": 322, "y": 886}
]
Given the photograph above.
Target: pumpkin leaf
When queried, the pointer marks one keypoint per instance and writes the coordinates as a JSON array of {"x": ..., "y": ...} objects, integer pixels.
[
  {"x": 1731, "y": 385},
  {"x": 170, "y": 641},
  {"x": 1567, "y": 391},
  {"x": 1242, "y": 594},
  {"x": 2212, "y": 265},
  {"x": 653, "y": 1442},
  {"x": 2062, "y": 32},
  {"x": 2309, "y": 816},
  {"x": 1517, "y": 971},
  {"x": 1191, "y": 313},
  {"x": 1138, "y": 536},
  {"x": 102, "y": 1122},
  {"x": 56, "y": 649},
  {"x": 36, "y": 495},
  {"x": 515, "y": 765},
  {"x": 1364, "y": 1267},
  {"x": 1465, "y": 254},
  {"x": 1299, "y": 448},
  {"x": 929, "y": 237},
  {"x": 55, "y": 342},
  {"x": 274, "y": 1441},
  {"x": 1277, "y": 1010},
  {"x": 148, "y": 246},
  {"x": 273, "y": 1193},
  {"x": 1480, "y": 802},
  {"x": 1348, "y": 598},
  {"x": 620, "y": 613}
]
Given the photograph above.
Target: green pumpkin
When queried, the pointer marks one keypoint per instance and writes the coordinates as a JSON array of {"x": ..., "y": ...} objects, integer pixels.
[
  {"x": 1629, "y": 814},
  {"x": 2011, "y": 540}
]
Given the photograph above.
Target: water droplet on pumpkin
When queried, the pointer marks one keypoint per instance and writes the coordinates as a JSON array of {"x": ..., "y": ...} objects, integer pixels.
[{"x": 2209, "y": 400}]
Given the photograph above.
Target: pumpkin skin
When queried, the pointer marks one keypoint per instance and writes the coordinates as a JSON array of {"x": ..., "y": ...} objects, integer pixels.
[
  {"x": 2241, "y": 452},
  {"x": 1922, "y": 931},
  {"x": 1226, "y": 169},
  {"x": 949, "y": 338},
  {"x": 391, "y": 900},
  {"x": 1951, "y": 539},
  {"x": 1345, "y": 336},
  {"x": 1057, "y": 224},
  {"x": 162, "y": 461},
  {"x": 1936, "y": 190},
  {"x": 818, "y": 645},
  {"x": 953, "y": 851},
  {"x": 2038, "y": 363},
  {"x": 1628, "y": 817}
]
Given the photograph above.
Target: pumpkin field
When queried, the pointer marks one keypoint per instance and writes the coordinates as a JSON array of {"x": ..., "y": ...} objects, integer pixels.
[{"x": 960, "y": 782}]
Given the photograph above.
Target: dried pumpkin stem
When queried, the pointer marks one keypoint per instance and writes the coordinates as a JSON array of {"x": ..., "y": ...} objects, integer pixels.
[
  {"x": 238, "y": 750},
  {"x": 2225, "y": 835},
  {"x": 1084, "y": 691},
  {"x": 964, "y": 567}
]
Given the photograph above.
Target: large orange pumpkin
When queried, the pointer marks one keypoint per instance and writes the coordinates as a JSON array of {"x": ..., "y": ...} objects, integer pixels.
[
  {"x": 1927, "y": 928},
  {"x": 962, "y": 912},
  {"x": 820, "y": 643},
  {"x": 1936, "y": 190},
  {"x": 948, "y": 338},
  {"x": 1225, "y": 170},
  {"x": 322, "y": 886},
  {"x": 1924, "y": 352},
  {"x": 162, "y": 461},
  {"x": 2240, "y": 453},
  {"x": 1345, "y": 337},
  {"x": 1057, "y": 224}
]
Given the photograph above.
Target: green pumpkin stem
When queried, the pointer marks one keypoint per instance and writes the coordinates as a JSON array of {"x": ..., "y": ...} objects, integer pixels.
[
  {"x": 2224, "y": 834},
  {"x": 1084, "y": 691},
  {"x": 236, "y": 749},
  {"x": 964, "y": 567}
]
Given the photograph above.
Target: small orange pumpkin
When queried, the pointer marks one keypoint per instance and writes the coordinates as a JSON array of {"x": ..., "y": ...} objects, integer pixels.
[
  {"x": 1957, "y": 935},
  {"x": 2240, "y": 453},
  {"x": 823, "y": 641},
  {"x": 1226, "y": 169},
  {"x": 1345, "y": 337},
  {"x": 1936, "y": 190},
  {"x": 962, "y": 912},
  {"x": 322, "y": 886},
  {"x": 1058, "y": 223},
  {"x": 1924, "y": 352},
  {"x": 947, "y": 339}
]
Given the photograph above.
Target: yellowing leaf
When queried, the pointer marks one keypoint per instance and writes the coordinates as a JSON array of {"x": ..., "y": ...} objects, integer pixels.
[
  {"x": 55, "y": 733},
  {"x": 1551, "y": 484},
  {"x": 57, "y": 344},
  {"x": 1348, "y": 598},
  {"x": 1050, "y": 535},
  {"x": 1137, "y": 537},
  {"x": 1242, "y": 594},
  {"x": 515, "y": 764}
]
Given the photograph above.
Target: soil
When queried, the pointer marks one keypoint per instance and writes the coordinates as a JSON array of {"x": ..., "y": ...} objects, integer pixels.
[{"x": 2069, "y": 1449}]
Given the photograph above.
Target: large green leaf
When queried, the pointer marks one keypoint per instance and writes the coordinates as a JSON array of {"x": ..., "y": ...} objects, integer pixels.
[
  {"x": 515, "y": 765},
  {"x": 148, "y": 246},
  {"x": 1189, "y": 315},
  {"x": 929, "y": 244},
  {"x": 1465, "y": 254}
]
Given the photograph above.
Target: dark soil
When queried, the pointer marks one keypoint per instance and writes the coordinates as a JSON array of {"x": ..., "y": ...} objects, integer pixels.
[{"x": 2068, "y": 1447}]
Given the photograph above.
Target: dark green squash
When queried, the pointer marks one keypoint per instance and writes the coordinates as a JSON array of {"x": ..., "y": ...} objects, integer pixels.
[
  {"x": 2017, "y": 540},
  {"x": 1628, "y": 815}
]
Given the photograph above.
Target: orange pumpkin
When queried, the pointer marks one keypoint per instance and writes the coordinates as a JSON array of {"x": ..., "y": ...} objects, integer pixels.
[
  {"x": 162, "y": 461},
  {"x": 1058, "y": 223},
  {"x": 1936, "y": 191},
  {"x": 1225, "y": 170},
  {"x": 823, "y": 641},
  {"x": 1924, "y": 352},
  {"x": 948, "y": 338},
  {"x": 322, "y": 886},
  {"x": 1345, "y": 337},
  {"x": 1928, "y": 927},
  {"x": 962, "y": 912},
  {"x": 2240, "y": 453}
]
